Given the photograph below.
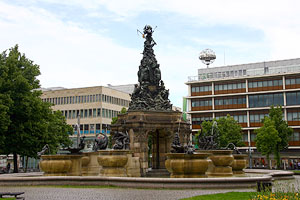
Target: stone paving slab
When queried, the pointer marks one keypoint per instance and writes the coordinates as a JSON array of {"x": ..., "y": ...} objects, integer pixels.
[{"x": 51, "y": 193}]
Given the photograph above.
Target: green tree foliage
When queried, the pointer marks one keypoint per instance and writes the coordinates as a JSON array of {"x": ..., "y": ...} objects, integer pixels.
[
  {"x": 229, "y": 131},
  {"x": 27, "y": 123},
  {"x": 115, "y": 119},
  {"x": 284, "y": 131},
  {"x": 267, "y": 138}
]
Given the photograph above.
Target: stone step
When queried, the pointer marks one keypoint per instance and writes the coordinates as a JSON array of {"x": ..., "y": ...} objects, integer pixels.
[{"x": 158, "y": 173}]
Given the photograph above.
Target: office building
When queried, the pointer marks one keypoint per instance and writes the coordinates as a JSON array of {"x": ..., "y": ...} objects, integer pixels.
[{"x": 246, "y": 92}]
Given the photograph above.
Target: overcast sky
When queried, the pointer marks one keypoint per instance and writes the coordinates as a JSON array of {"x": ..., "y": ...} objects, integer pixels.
[{"x": 80, "y": 43}]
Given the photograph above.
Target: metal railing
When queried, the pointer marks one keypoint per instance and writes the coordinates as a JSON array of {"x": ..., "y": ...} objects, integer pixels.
[{"x": 248, "y": 72}]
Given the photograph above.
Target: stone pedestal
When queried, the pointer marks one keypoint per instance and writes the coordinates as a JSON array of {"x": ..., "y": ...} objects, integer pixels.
[
  {"x": 222, "y": 161},
  {"x": 239, "y": 163},
  {"x": 90, "y": 165},
  {"x": 113, "y": 163},
  {"x": 161, "y": 125},
  {"x": 133, "y": 167},
  {"x": 61, "y": 165},
  {"x": 182, "y": 165}
]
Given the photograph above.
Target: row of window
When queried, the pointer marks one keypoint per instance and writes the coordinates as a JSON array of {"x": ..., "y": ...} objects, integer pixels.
[
  {"x": 230, "y": 101},
  {"x": 200, "y": 103},
  {"x": 267, "y": 83},
  {"x": 90, "y": 113},
  {"x": 294, "y": 137},
  {"x": 87, "y": 99},
  {"x": 292, "y": 81},
  {"x": 292, "y": 98},
  {"x": 92, "y": 128},
  {"x": 256, "y": 118},
  {"x": 205, "y": 88},
  {"x": 265, "y": 100},
  {"x": 251, "y": 84},
  {"x": 238, "y": 118},
  {"x": 199, "y": 120},
  {"x": 230, "y": 86},
  {"x": 293, "y": 116},
  {"x": 260, "y": 100}
]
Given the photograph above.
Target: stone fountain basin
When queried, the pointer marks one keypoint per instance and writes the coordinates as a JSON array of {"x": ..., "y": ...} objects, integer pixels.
[
  {"x": 182, "y": 165},
  {"x": 239, "y": 163},
  {"x": 112, "y": 158},
  {"x": 60, "y": 165}
]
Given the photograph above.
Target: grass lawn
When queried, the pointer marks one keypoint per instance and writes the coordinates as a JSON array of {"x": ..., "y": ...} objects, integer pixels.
[{"x": 224, "y": 196}]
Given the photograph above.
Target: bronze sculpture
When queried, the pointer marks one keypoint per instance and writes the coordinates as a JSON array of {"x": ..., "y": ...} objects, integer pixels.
[
  {"x": 150, "y": 93},
  {"x": 100, "y": 143}
]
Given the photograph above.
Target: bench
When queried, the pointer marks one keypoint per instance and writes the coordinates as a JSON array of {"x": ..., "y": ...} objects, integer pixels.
[{"x": 12, "y": 194}]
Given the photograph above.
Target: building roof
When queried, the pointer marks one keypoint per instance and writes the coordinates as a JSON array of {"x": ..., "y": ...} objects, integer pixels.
[{"x": 250, "y": 69}]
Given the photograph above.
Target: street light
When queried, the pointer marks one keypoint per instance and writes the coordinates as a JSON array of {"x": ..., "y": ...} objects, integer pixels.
[{"x": 250, "y": 151}]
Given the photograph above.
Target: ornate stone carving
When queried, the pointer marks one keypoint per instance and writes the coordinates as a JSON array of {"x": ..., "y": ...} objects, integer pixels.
[{"x": 150, "y": 93}]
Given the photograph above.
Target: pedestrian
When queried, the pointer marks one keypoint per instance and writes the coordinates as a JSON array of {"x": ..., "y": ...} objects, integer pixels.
[{"x": 8, "y": 167}]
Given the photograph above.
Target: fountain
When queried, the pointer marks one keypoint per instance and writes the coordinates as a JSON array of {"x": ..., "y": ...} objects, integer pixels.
[
  {"x": 69, "y": 164},
  {"x": 113, "y": 162},
  {"x": 149, "y": 114},
  {"x": 183, "y": 163}
]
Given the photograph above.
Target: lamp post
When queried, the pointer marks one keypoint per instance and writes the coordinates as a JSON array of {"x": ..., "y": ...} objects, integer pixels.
[{"x": 250, "y": 151}]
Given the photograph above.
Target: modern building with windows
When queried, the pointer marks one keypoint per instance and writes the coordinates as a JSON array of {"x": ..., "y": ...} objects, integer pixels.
[
  {"x": 246, "y": 92},
  {"x": 95, "y": 105}
]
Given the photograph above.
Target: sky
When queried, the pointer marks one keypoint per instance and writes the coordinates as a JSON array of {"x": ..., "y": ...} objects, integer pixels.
[{"x": 82, "y": 43}]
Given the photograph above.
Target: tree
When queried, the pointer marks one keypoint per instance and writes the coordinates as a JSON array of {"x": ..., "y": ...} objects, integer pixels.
[
  {"x": 267, "y": 138},
  {"x": 229, "y": 131},
  {"x": 115, "y": 119},
  {"x": 28, "y": 122},
  {"x": 284, "y": 131}
]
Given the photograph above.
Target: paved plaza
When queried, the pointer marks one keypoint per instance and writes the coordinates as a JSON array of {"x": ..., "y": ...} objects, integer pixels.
[{"x": 51, "y": 193}]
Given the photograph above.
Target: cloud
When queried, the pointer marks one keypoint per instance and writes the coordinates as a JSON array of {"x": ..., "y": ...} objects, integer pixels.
[
  {"x": 68, "y": 55},
  {"x": 72, "y": 55}
]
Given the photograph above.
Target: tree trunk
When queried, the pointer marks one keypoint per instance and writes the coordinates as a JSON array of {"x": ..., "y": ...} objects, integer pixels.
[
  {"x": 26, "y": 164},
  {"x": 277, "y": 158},
  {"x": 16, "y": 170},
  {"x": 269, "y": 161}
]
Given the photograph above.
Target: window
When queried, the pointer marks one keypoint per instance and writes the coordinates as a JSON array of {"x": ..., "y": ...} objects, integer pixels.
[
  {"x": 250, "y": 84},
  {"x": 97, "y": 126},
  {"x": 92, "y": 128},
  {"x": 259, "y": 84},
  {"x": 85, "y": 113},
  {"x": 86, "y": 128},
  {"x": 73, "y": 114},
  {"x": 254, "y": 84},
  {"x": 98, "y": 112},
  {"x": 94, "y": 112},
  {"x": 90, "y": 112},
  {"x": 265, "y": 100},
  {"x": 290, "y": 116},
  {"x": 276, "y": 82},
  {"x": 103, "y": 112},
  {"x": 291, "y": 98}
]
